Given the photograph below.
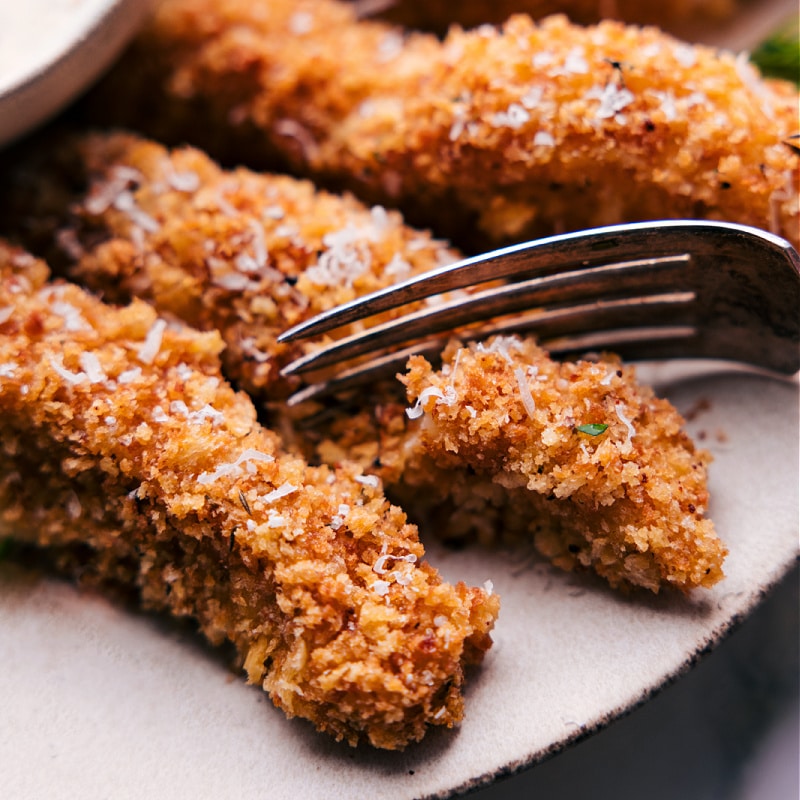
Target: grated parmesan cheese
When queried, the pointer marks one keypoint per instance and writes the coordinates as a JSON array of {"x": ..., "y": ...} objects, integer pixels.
[
  {"x": 90, "y": 364},
  {"x": 574, "y": 64},
  {"x": 447, "y": 397},
  {"x": 152, "y": 342},
  {"x": 398, "y": 269},
  {"x": 685, "y": 55},
  {"x": 515, "y": 116},
  {"x": 129, "y": 375},
  {"x": 612, "y": 99},
  {"x": 379, "y": 567},
  {"x": 275, "y": 520},
  {"x": 390, "y": 46},
  {"x": 525, "y": 392},
  {"x": 73, "y": 378},
  {"x": 626, "y": 422},
  {"x": 345, "y": 259},
  {"x": 126, "y": 203},
  {"x": 187, "y": 181},
  {"x": 234, "y": 468},
  {"x": 532, "y": 97},
  {"x": 282, "y": 491},
  {"x": 542, "y": 59},
  {"x": 73, "y": 319},
  {"x": 667, "y": 101}
]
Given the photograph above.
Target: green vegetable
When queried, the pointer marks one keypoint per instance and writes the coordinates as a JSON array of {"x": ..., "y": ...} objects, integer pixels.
[
  {"x": 779, "y": 56},
  {"x": 592, "y": 428}
]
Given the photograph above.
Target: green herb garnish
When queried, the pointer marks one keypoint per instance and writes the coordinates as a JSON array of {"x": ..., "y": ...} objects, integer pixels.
[
  {"x": 779, "y": 56},
  {"x": 592, "y": 428}
]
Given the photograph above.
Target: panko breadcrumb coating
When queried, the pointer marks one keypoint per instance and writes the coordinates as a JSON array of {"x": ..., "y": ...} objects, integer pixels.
[
  {"x": 439, "y": 15},
  {"x": 490, "y": 136},
  {"x": 131, "y": 231},
  {"x": 236, "y": 251},
  {"x": 124, "y": 448},
  {"x": 577, "y": 458}
]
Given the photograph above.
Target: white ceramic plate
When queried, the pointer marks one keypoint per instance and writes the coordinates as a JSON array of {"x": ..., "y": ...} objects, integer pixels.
[{"x": 99, "y": 702}]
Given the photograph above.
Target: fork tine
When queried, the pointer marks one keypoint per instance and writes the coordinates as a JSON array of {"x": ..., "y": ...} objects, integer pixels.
[
  {"x": 552, "y": 254},
  {"x": 658, "y": 341},
  {"x": 621, "y": 279},
  {"x": 709, "y": 289},
  {"x": 613, "y": 322}
]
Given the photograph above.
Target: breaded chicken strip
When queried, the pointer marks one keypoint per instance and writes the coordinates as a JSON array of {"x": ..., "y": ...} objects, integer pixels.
[
  {"x": 504, "y": 444},
  {"x": 243, "y": 253},
  {"x": 157, "y": 242},
  {"x": 487, "y": 137},
  {"x": 576, "y": 457},
  {"x": 124, "y": 448},
  {"x": 439, "y": 15}
]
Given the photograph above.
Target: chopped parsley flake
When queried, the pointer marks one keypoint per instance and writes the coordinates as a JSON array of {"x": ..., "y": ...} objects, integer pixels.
[{"x": 592, "y": 428}]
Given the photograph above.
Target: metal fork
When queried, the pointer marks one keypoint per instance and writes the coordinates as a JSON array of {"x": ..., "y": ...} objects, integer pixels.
[{"x": 651, "y": 290}]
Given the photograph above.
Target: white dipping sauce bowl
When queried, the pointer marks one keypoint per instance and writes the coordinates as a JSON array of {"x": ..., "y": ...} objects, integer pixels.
[{"x": 51, "y": 50}]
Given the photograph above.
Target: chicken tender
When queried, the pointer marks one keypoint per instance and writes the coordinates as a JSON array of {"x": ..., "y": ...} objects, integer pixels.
[
  {"x": 125, "y": 451},
  {"x": 143, "y": 250},
  {"x": 503, "y": 444},
  {"x": 243, "y": 253},
  {"x": 491, "y": 136},
  {"x": 576, "y": 457}
]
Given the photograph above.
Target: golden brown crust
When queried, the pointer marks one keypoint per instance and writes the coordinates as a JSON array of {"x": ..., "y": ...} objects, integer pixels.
[
  {"x": 168, "y": 482},
  {"x": 157, "y": 242},
  {"x": 243, "y": 253},
  {"x": 490, "y": 450},
  {"x": 486, "y": 137},
  {"x": 627, "y": 498}
]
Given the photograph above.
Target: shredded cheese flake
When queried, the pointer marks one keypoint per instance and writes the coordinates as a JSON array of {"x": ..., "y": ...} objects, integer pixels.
[
  {"x": 91, "y": 366},
  {"x": 234, "y": 468},
  {"x": 618, "y": 408},
  {"x": 282, "y": 491},
  {"x": 525, "y": 391},
  {"x": 152, "y": 342},
  {"x": 73, "y": 378}
]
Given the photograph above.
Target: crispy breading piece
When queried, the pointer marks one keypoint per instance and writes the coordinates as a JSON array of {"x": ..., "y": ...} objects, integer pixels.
[
  {"x": 155, "y": 244},
  {"x": 168, "y": 482},
  {"x": 489, "y": 136},
  {"x": 578, "y": 458},
  {"x": 243, "y": 253},
  {"x": 439, "y": 15}
]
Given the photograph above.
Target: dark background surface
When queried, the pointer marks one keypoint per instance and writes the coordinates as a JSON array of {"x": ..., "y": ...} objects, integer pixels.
[{"x": 727, "y": 730}]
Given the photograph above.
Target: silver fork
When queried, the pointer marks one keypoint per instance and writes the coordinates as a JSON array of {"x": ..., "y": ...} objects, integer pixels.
[{"x": 651, "y": 290}]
